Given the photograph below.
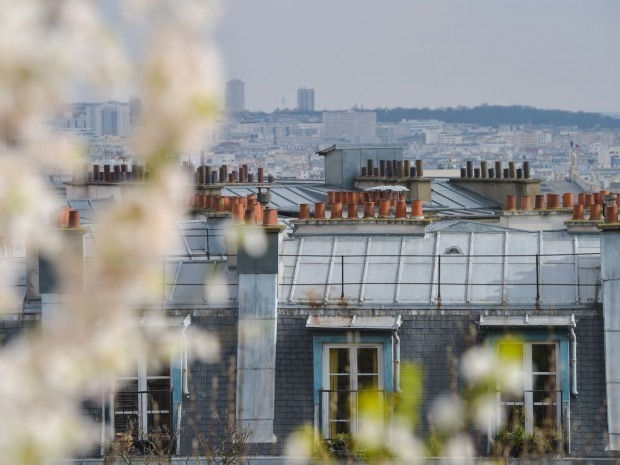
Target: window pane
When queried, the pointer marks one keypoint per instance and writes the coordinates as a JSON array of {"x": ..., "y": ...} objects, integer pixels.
[
  {"x": 368, "y": 382},
  {"x": 544, "y": 384},
  {"x": 509, "y": 396},
  {"x": 543, "y": 358},
  {"x": 340, "y": 383},
  {"x": 545, "y": 416},
  {"x": 512, "y": 353},
  {"x": 339, "y": 427},
  {"x": 126, "y": 418},
  {"x": 339, "y": 406},
  {"x": 162, "y": 371},
  {"x": 515, "y": 416},
  {"x": 339, "y": 360},
  {"x": 367, "y": 360},
  {"x": 161, "y": 384}
]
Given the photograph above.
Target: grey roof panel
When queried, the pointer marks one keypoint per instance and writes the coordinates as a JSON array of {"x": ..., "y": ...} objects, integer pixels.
[{"x": 285, "y": 197}]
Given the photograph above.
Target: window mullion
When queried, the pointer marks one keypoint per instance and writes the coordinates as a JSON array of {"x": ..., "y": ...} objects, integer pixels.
[
  {"x": 528, "y": 386},
  {"x": 142, "y": 397},
  {"x": 353, "y": 386}
]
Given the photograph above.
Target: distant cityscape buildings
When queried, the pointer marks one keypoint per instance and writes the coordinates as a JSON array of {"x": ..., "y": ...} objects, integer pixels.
[
  {"x": 286, "y": 142},
  {"x": 96, "y": 119},
  {"x": 234, "y": 99},
  {"x": 305, "y": 99}
]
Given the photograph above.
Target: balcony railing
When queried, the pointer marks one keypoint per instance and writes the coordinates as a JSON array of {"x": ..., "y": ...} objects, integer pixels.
[
  {"x": 143, "y": 421},
  {"x": 339, "y": 410}
]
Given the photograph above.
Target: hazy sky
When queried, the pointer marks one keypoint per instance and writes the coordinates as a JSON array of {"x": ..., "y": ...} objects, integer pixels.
[{"x": 424, "y": 53}]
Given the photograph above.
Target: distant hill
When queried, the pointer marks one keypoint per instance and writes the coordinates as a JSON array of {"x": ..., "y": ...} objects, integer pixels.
[{"x": 495, "y": 115}]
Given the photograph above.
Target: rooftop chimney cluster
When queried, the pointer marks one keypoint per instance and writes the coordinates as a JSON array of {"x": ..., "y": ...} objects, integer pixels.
[
  {"x": 594, "y": 204},
  {"x": 486, "y": 172},
  {"x": 206, "y": 175},
  {"x": 597, "y": 204},
  {"x": 389, "y": 207},
  {"x": 393, "y": 169},
  {"x": 244, "y": 209},
  {"x": 117, "y": 173}
]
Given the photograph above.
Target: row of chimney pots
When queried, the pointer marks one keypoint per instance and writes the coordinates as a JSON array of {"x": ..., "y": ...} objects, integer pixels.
[
  {"x": 204, "y": 174},
  {"x": 485, "y": 172},
  {"x": 593, "y": 203},
  {"x": 393, "y": 169}
]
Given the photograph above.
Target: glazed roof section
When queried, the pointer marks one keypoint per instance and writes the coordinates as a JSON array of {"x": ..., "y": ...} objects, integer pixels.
[
  {"x": 464, "y": 269},
  {"x": 478, "y": 265}
]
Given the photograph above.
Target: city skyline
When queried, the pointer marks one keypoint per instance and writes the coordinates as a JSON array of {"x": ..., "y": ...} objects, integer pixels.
[{"x": 556, "y": 54}]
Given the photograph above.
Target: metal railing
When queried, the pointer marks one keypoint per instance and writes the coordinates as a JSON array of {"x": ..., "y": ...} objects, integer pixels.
[
  {"x": 141, "y": 413},
  {"x": 538, "y": 409},
  {"x": 339, "y": 409},
  {"x": 441, "y": 280}
]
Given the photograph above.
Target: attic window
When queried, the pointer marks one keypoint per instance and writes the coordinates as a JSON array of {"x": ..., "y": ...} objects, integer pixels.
[{"x": 453, "y": 251}]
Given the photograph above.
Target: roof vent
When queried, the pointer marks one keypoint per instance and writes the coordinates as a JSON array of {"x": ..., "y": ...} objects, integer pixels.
[{"x": 454, "y": 250}]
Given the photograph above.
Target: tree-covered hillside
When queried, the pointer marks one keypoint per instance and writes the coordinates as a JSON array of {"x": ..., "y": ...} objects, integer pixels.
[{"x": 495, "y": 115}]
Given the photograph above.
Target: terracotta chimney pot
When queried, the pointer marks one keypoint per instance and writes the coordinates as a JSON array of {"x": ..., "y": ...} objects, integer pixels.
[
  {"x": 595, "y": 211},
  {"x": 238, "y": 213},
  {"x": 271, "y": 217},
  {"x": 369, "y": 210},
  {"x": 336, "y": 211},
  {"x": 511, "y": 202},
  {"x": 384, "y": 208},
  {"x": 74, "y": 218},
  {"x": 567, "y": 200},
  {"x": 578, "y": 212},
  {"x": 416, "y": 209},
  {"x": 526, "y": 203},
  {"x": 553, "y": 201},
  {"x": 581, "y": 198},
  {"x": 401, "y": 209},
  {"x": 304, "y": 211},
  {"x": 539, "y": 202},
  {"x": 319, "y": 210},
  {"x": 352, "y": 210}
]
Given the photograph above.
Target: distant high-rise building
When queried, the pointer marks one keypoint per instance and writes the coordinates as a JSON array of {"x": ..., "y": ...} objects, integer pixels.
[
  {"x": 352, "y": 126},
  {"x": 305, "y": 99},
  {"x": 235, "y": 96}
]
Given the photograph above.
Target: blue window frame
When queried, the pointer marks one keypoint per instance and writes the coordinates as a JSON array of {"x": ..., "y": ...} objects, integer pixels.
[
  {"x": 544, "y": 369},
  {"x": 344, "y": 365}
]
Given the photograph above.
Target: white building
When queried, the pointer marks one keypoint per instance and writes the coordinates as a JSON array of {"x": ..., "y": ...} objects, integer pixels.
[{"x": 352, "y": 126}]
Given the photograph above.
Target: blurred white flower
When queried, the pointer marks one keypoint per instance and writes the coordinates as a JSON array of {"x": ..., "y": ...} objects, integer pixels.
[
  {"x": 404, "y": 445},
  {"x": 447, "y": 413},
  {"x": 459, "y": 450},
  {"x": 479, "y": 364},
  {"x": 485, "y": 412},
  {"x": 46, "y": 48}
]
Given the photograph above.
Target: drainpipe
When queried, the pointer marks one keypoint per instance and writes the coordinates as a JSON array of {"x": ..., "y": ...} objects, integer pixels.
[
  {"x": 178, "y": 431},
  {"x": 396, "y": 362},
  {"x": 184, "y": 364},
  {"x": 573, "y": 361}
]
